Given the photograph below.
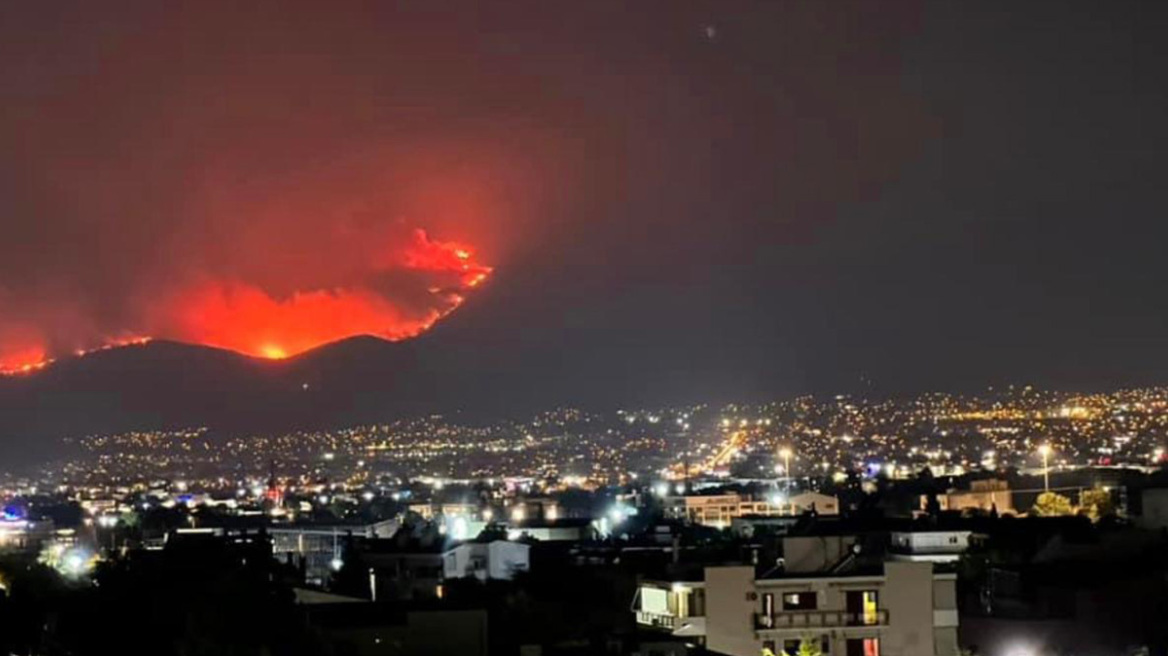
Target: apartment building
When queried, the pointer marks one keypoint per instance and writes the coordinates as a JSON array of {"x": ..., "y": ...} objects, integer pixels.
[
  {"x": 983, "y": 496},
  {"x": 904, "y": 609},
  {"x": 720, "y": 510},
  {"x": 496, "y": 560},
  {"x": 678, "y": 608},
  {"x": 933, "y": 546},
  {"x": 319, "y": 546}
]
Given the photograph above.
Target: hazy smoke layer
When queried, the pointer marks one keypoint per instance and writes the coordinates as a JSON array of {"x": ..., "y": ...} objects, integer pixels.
[
  {"x": 253, "y": 174},
  {"x": 263, "y": 180}
]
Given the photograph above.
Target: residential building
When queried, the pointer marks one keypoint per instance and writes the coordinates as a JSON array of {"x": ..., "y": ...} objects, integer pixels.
[
  {"x": 26, "y": 535},
  {"x": 805, "y": 502},
  {"x": 749, "y": 526},
  {"x": 430, "y": 511},
  {"x": 985, "y": 496},
  {"x": 720, "y": 510},
  {"x": 569, "y": 530},
  {"x": 404, "y": 575},
  {"x": 678, "y": 608},
  {"x": 715, "y": 510},
  {"x": 930, "y": 546},
  {"x": 497, "y": 560},
  {"x": 898, "y": 609},
  {"x": 907, "y": 609},
  {"x": 318, "y": 546}
]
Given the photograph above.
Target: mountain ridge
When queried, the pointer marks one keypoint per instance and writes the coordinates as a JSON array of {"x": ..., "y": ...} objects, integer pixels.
[{"x": 164, "y": 385}]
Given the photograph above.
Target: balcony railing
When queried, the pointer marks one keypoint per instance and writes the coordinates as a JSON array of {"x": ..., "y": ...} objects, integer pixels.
[
  {"x": 814, "y": 619},
  {"x": 658, "y": 620}
]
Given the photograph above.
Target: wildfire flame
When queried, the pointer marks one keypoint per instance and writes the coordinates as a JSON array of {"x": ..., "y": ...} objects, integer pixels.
[{"x": 243, "y": 317}]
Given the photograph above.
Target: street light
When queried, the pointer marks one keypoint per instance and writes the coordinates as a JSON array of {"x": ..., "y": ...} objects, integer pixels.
[
  {"x": 785, "y": 453},
  {"x": 1045, "y": 451}
]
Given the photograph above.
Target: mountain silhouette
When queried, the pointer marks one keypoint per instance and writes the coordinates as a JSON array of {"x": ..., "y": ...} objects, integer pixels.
[
  {"x": 479, "y": 363},
  {"x": 165, "y": 385}
]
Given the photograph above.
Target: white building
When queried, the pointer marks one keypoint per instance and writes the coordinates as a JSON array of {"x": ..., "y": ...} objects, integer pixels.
[
  {"x": 320, "y": 546},
  {"x": 930, "y": 546},
  {"x": 905, "y": 610},
  {"x": 21, "y": 534},
  {"x": 679, "y": 608},
  {"x": 821, "y": 504},
  {"x": 720, "y": 510},
  {"x": 716, "y": 510},
  {"x": 498, "y": 560},
  {"x": 982, "y": 496},
  {"x": 430, "y": 511}
]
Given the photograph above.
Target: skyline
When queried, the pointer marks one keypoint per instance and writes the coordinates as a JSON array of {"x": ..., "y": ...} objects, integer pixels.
[{"x": 554, "y": 328}]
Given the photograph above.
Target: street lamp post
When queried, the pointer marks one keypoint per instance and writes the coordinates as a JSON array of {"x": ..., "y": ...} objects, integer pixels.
[
  {"x": 1045, "y": 451},
  {"x": 786, "y": 455}
]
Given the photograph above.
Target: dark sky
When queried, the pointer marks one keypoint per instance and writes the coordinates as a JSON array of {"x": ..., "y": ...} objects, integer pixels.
[{"x": 679, "y": 200}]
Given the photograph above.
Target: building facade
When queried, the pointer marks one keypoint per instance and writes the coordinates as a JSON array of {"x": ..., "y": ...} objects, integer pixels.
[
  {"x": 908, "y": 609},
  {"x": 497, "y": 560},
  {"x": 931, "y": 546},
  {"x": 982, "y": 496},
  {"x": 319, "y": 547},
  {"x": 720, "y": 510}
]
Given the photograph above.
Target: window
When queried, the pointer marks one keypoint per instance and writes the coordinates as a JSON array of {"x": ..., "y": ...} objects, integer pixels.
[
  {"x": 863, "y": 647},
  {"x": 871, "y": 614},
  {"x": 654, "y": 600},
  {"x": 863, "y": 607},
  {"x": 800, "y": 601}
]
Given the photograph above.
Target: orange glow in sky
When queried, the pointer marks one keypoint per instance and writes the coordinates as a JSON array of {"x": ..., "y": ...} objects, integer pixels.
[
  {"x": 245, "y": 318},
  {"x": 25, "y": 360},
  {"x": 399, "y": 296}
]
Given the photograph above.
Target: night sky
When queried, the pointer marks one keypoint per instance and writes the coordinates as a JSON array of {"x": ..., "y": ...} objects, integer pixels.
[{"x": 676, "y": 200}]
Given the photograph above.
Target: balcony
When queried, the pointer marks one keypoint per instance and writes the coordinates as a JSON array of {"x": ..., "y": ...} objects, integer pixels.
[
  {"x": 656, "y": 620},
  {"x": 818, "y": 619},
  {"x": 678, "y": 626}
]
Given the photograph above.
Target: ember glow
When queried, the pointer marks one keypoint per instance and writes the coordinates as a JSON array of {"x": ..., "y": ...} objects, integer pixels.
[
  {"x": 23, "y": 361},
  {"x": 402, "y": 293}
]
